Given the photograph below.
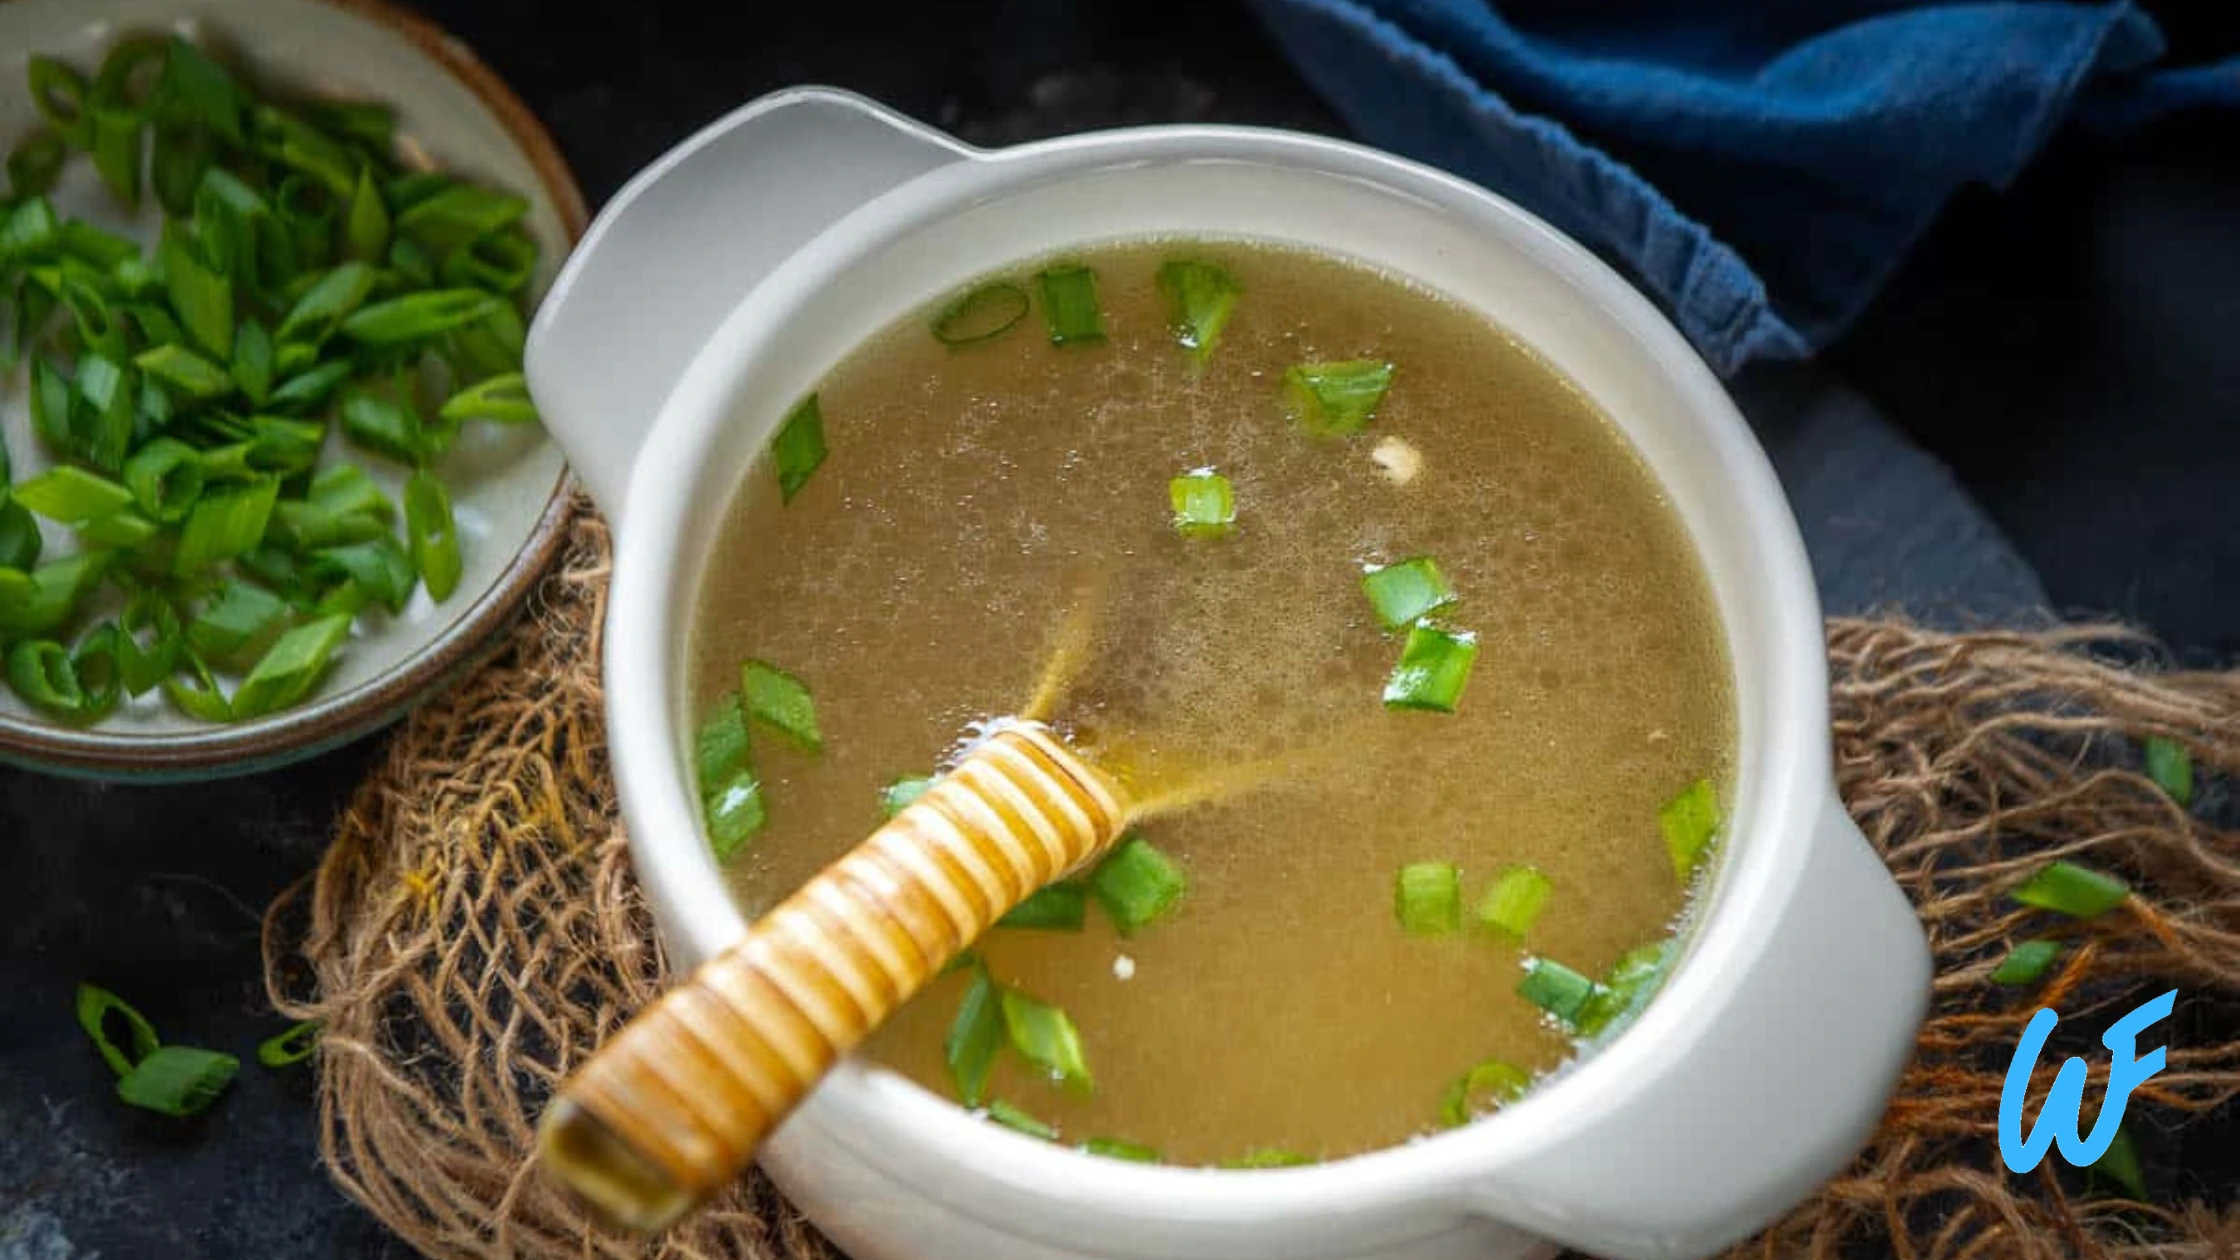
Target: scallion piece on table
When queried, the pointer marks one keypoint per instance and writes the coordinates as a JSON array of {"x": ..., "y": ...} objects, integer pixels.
[
  {"x": 735, "y": 811},
  {"x": 1059, "y": 907},
  {"x": 503, "y": 398},
  {"x": 1427, "y": 898},
  {"x": 798, "y": 448},
  {"x": 290, "y": 668},
  {"x": 1334, "y": 399},
  {"x": 975, "y": 1037},
  {"x": 1557, "y": 989},
  {"x": 1491, "y": 1084},
  {"x": 434, "y": 534},
  {"x": 1200, "y": 298},
  {"x": 981, "y": 314},
  {"x": 1403, "y": 593},
  {"x": 1268, "y": 1157},
  {"x": 96, "y": 1006},
  {"x": 1114, "y": 1148},
  {"x": 72, "y": 496},
  {"x": 179, "y": 1081},
  {"x": 1019, "y": 1120},
  {"x": 225, "y": 524},
  {"x": 1046, "y": 1037},
  {"x": 1434, "y": 666},
  {"x": 1137, "y": 885},
  {"x": 1513, "y": 904},
  {"x": 721, "y": 748},
  {"x": 1689, "y": 821},
  {"x": 2170, "y": 765},
  {"x": 2120, "y": 1166},
  {"x": 290, "y": 1047},
  {"x": 778, "y": 699},
  {"x": 1069, "y": 305},
  {"x": 896, "y": 796},
  {"x": 2026, "y": 962},
  {"x": 2077, "y": 891},
  {"x": 1205, "y": 505}
]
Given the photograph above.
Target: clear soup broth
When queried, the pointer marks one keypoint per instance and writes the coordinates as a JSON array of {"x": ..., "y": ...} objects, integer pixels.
[{"x": 978, "y": 499}]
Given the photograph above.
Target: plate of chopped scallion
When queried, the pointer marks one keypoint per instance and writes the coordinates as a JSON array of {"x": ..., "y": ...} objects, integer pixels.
[{"x": 268, "y": 470}]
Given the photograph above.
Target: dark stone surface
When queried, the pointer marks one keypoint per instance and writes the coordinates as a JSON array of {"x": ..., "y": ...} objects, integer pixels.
[{"x": 2062, "y": 346}]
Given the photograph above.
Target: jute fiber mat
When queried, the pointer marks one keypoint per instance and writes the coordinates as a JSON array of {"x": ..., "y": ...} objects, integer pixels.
[{"x": 475, "y": 932}]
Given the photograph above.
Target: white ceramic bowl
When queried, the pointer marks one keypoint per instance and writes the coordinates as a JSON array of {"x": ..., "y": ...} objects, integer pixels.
[
  {"x": 743, "y": 265},
  {"x": 509, "y": 486}
]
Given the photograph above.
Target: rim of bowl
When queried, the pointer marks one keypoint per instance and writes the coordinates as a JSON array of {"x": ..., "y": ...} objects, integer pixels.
[{"x": 269, "y": 742}]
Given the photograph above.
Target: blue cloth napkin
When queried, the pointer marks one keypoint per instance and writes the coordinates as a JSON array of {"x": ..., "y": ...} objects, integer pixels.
[{"x": 1759, "y": 166}]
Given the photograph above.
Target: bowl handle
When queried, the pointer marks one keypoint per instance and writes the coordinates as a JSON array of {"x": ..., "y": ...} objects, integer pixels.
[
  {"x": 1750, "y": 1106},
  {"x": 675, "y": 251}
]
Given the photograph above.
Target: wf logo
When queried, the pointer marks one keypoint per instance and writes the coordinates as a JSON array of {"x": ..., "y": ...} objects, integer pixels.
[{"x": 2126, "y": 1072}]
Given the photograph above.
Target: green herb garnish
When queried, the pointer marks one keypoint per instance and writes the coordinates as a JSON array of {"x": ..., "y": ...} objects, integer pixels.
[
  {"x": 1137, "y": 885},
  {"x": 1268, "y": 1157},
  {"x": 1017, "y": 1119},
  {"x": 1427, "y": 898},
  {"x": 1483, "y": 1088},
  {"x": 896, "y": 796},
  {"x": 1557, "y": 989},
  {"x": 1046, "y": 1037},
  {"x": 975, "y": 1036},
  {"x": 1434, "y": 666},
  {"x": 1205, "y": 506},
  {"x": 2170, "y": 765},
  {"x": 777, "y": 698},
  {"x": 1059, "y": 907},
  {"x": 1689, "y": 822},
  {"x": 735, "y": 812},
  {"x": 2077, "y": 891},
  {"x": 1404, "y": 593},
  {"x": 798, "y": 448},
  {"x": 1334, "y": 399},
  {"x": 1114, "y": 1148},
  {"x": 981, "y": 314},
  {"x": 1513, "y": 903},
  {"x": 1069, "y": 305},
  {"x": 1200, "y": 298}
]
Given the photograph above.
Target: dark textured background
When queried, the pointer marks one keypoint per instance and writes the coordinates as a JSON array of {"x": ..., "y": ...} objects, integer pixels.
[{"x": 2064, "y": 346}]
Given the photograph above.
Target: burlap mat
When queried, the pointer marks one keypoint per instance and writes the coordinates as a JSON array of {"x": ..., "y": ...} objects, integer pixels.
[{"x": 475, "y": 932}]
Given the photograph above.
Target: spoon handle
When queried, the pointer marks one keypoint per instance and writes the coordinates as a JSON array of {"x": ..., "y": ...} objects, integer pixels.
[{"x": 673, "y": 1107}]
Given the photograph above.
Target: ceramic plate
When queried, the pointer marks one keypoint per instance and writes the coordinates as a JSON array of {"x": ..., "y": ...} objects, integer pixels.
[{"x": 510, "y": 489}]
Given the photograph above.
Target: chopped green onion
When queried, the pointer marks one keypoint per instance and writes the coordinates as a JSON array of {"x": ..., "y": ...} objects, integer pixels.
[
  {"x": 276, "y": 136},
  {"x": 1114, "y": 1148},
  {"x": 982, "y": 314},
  {"x": 1069, "y": 305},
  {"x": 229, "y": 219},
  {"x": 55, "y": 591},
  {"x": 29, "y": 230},
  {"x": 95, "y": 1006},
  {"x": 118, "y": 136},
  {"x": 1137, "y": 885},
  {"x": 41, "y": 671},
  {"x": 323, "y": 308},
  {"x": 434, "y": 534},
  {"x": 290, "y": 1047},
  {"x": 105, "y": 436},
  {"x": 237, "y": 627},
  {"x": 735, "y": 813},
  {"x": 105, "y": 251},
  {"x": 1427, "y": 898},
  {"x": 286, "y": 446},
  {"x": 975, "y": 1036},
  {"x": 2026, "y": 962},
  {"x": 165, "y": 478},
  {"x": 896, "y": 796},
  {"x": 51, "y": 404},
  {"x": 503, "y": 398},
  {"x": 36, "y": 164},
  {"x": 1627, "y": 986},
  {"x": 1404, "y": 593},
  {"x": 185, "y": 372},
  {"x": 59, "y": 92},
  {"x": 777, "y": 698},
  {"x": 1515, "y": 900},
  {"x": 385, "y": 426},
  {"x": 1205, "y": 505},
  {"x": 196, "y": 89},
  {"x": 225, "y": 524},
  {"x": 310, "y": 388},
  {"x": 306, "y": 213},
  {"x": 1046, "y": 1038},
  {"x": 1434, "y": 666},
  {"x": 197, "y": 694},
  {"x": 799, "y": 447},
  {"x": 501, "y": 262},
  {"x": 721, "y": 749},
  {"x": 365, "y": 228},
  {"x": 1011, "y": 1117},
  {"x": 20, "y": 543},
  {"x": 178, "y": 161},
  {"x": 1334, "y": 399},
  {"x": 1200, "y": 298},
  {"x": 1689, "y": 822},
  {"x": 1268, "y": 1157},
  {"x": 417, "y": 317},
  {"x": 72, "y": 496},
  {"x": 370, "y": 123},
  {"x": 2170, "y": 765},
  {"x": 1557, "y": 989},
  {"x": 252, "y": 366},
  {"x": 1060, "y": 907},
  {"x": 119, "y": 80},
  {"x": 459, "y": 213},
  {"x": 378, "y": 566},
  {"x": 179, "y": 1081},
  {"x": 2077, "y": 891},
  {"x": 201, "y": 295},
  {"x": 122, "y": 530},
  {"x": 1483, "y": 1088},
  {"x": 2119, "y": 1164},
  {"x": 148, "y": 642},
  {"x": 291, "y": 668}
]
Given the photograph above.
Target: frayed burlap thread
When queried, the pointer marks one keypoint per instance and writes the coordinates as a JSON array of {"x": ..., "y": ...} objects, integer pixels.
[{"x": 475, "y": 932}]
